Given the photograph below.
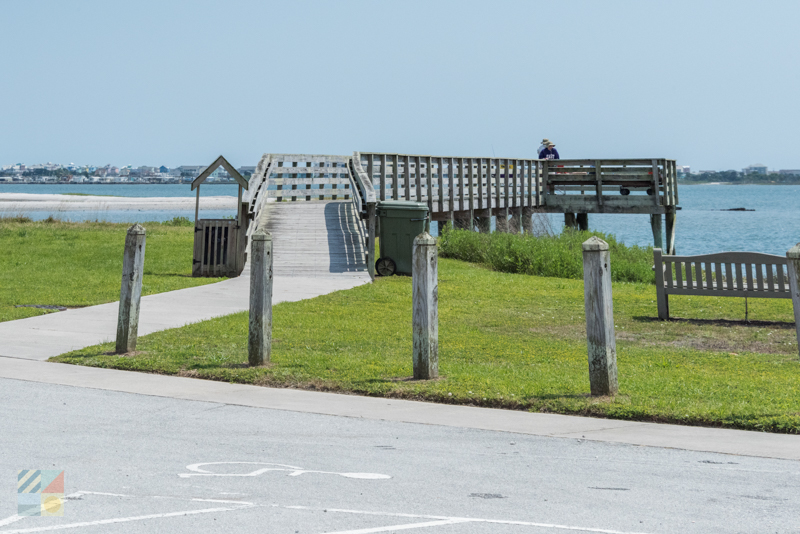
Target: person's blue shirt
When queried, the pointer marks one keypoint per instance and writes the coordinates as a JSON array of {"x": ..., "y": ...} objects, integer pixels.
[{"x": 549, "y": 153}]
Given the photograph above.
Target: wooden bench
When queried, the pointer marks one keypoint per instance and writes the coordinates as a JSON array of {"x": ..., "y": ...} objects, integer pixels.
[{"x": 725, "y": 274}]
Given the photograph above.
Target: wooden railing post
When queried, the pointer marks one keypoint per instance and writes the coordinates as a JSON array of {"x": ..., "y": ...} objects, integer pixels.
[
  {"x": 793, "y": 265},
  {"x": 600, "y": 334},
  {"x": 425, "y": 302},
  {"x": 131, "y": 291},
  {"x": 259, "y": 340}
]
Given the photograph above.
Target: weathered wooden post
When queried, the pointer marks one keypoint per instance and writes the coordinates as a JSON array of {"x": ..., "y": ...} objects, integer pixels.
[
  {"x": 259, "y": 340},
  {"x": 655, "y": 225},
  {"x": 131, "y": 291},
  {"x": 425, "y": 302},
  {"x": 600, "y": 335},
  {"x": 793, "y": 264},
  {"x": 670, "y": 218}
]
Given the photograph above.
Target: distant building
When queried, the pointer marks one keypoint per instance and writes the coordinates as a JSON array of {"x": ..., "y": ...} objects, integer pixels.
[
  {"x": 758, "y": 168},
  {"x": 682, "y": 169},
  {"x": 163, "y": 169},
  {"x": 707, "y": 172},
  {"x": 191, "y": 171},
  {"x": 790, "y": 172}
]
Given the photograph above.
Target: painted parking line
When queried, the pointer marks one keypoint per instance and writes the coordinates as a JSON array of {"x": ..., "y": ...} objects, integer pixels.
[
  {"x": 423, "y": 521},
  {"x": 198, "y": 471}
]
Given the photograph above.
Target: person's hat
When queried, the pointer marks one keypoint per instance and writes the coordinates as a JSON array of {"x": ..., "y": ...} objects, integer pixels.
[
  {"x": 550, "y": 144},
  {"x": 545, "y": 141}
]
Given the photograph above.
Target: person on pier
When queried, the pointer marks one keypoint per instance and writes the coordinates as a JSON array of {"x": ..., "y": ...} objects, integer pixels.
[
  {"x": 541, "y": 148},
  {"x": 550, "y": 152}
]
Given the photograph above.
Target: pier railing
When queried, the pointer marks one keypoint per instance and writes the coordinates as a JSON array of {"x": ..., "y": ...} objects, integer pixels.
[
  {"x": 609, "y": 186},
  {"x": 307, "y": 177},
  {"x": 454, "y": 185}
]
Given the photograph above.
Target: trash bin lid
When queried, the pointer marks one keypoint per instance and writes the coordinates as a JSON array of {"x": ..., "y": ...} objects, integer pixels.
[{"x": 402, "y": 205}]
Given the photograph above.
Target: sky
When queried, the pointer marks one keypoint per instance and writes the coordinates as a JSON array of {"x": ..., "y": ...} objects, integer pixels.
[{"x": 166, "y": 82}]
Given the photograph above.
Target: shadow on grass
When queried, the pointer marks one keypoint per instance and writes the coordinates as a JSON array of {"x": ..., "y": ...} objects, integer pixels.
[{"x": 716, "y": 322}]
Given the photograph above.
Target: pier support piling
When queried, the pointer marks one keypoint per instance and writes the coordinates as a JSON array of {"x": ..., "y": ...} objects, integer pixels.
[
  {"x": 670, "y": 217},
  {"x": 655, "y": 225},
  {"x": 583, "y": 221}
]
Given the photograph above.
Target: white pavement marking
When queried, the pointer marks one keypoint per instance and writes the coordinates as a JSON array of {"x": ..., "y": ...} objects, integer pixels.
[
  {"x": 403, "y": 527},
  {"x": 121, "y": 520},
  {"x": 460, "y": 520},
  {"x": 293, "y": 471},
  {"x": 9, "y": 520}
]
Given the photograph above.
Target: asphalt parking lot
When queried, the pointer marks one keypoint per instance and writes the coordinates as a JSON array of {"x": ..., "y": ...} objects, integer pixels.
[{"x": 138, "y": 463}]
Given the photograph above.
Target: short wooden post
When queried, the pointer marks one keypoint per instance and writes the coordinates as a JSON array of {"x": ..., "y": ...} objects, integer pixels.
[
  {"x": 599, "y": 317},
  {"x": 670, "y": 218},
  {"x": 570, "y": 222},
  {"x": 655, "y": 225},
  {"x": 131, "y": 292},
  {"x": 259, "y": 340},
  {"x": 793, "y": 264},
  {"x": 425, "y": 297}
]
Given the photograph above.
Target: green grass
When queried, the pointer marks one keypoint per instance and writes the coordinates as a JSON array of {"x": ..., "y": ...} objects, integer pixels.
[
  {"x": 510, "y": 341},
  {"x": 80, "y": 264},
  {"x": 559, "y": 256}
]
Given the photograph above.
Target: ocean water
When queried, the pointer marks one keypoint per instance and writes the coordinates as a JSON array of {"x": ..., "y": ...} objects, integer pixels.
[
  {"x": 126, "y": 190},
  {"x": 702, "y": 226}
]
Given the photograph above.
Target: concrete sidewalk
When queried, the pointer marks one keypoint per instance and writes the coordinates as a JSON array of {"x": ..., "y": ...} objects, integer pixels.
[
  {"x": 738, "y": 442},
  {"x": 39, "y": 338}
]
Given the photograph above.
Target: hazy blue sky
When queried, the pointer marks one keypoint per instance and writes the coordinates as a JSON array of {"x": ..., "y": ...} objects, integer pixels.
[{"x": 711, "y": 84}]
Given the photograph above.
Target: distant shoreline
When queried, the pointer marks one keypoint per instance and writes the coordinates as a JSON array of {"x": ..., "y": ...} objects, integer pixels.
[
  {"x": 113, "y": 183},
  {"x": 737, "y": 183}
]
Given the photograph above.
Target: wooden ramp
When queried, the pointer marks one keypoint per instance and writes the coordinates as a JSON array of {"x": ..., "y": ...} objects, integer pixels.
[{"x": 315, "y": 239}]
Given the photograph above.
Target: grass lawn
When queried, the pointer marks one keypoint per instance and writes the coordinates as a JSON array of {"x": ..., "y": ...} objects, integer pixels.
[
  {"x": 512, "y": 341},
  {"x": 80, "y": 264}
]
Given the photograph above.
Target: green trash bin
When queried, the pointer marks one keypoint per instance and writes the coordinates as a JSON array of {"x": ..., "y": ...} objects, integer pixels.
[{"x": 400, "y": 222}]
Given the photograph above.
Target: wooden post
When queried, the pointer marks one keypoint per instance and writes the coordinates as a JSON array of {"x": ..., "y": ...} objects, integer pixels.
[
  {"x": 600, "y": 335},
  {"x": 583, "y": 221},
  {"x": 484, "y": 224},
  {"x": 131, "y": 291},
  {"x": 793, "y": 264},
  {"x": 259, "y": 340},
  {"x": 371, "y": 239},
  {"x": 569, "y": 221},
  {"x": 425, "y": 297},
  {"x": 527, "y": 220},
  {"x": 670, "y": 217},
  {"x": 655, "y": 225}
]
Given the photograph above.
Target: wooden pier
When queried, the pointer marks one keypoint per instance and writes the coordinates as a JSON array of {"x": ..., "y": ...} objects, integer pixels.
[{"x": 467, "y": 192}]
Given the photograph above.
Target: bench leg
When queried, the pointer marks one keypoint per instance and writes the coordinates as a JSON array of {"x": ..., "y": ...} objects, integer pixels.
[{"x": 663, "y": 306}]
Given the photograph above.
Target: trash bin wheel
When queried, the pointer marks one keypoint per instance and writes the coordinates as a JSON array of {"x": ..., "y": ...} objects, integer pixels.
[{"x": 385, "y": 266}]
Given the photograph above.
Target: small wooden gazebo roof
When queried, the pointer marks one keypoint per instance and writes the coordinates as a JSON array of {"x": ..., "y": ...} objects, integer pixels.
[{"x": 211, "y": 168}]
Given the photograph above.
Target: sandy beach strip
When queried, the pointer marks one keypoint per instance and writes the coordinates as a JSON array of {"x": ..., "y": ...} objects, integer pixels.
[{"x": 27, "y": 202}]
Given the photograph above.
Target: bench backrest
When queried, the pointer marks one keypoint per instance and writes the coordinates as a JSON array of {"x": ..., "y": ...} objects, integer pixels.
[{"x": 725, "y": 274}]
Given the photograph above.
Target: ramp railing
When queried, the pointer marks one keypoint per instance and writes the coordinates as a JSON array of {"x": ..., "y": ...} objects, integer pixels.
[{"x": 307, "y": 177}]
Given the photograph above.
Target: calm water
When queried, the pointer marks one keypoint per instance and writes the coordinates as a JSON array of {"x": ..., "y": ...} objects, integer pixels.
[
  {"x": 701, "y": 227},
  {"x": 123, "y": 190}
]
